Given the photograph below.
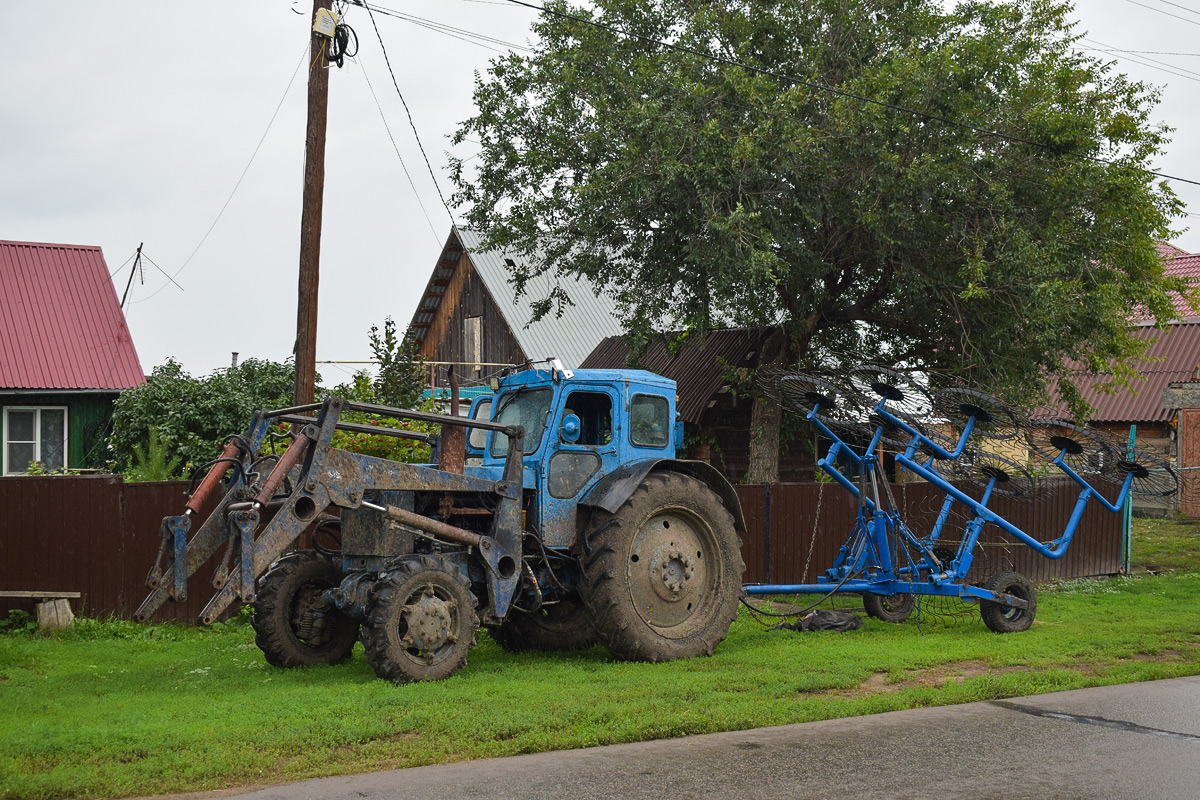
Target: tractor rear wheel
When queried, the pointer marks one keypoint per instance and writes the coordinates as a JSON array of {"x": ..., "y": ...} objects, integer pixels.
[
  {"x": 889, "y": 608},
  {"x": 1005, "y": 619},
  {"x": 558, "y": 627},
  {"x": 287, "y": 628},
  {"x": 662, "y": 576},
  {"x": 421, "y": 620}
]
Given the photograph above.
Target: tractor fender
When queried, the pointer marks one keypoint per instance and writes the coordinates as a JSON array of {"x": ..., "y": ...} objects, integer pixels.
[{"x": 611, "y": 491}]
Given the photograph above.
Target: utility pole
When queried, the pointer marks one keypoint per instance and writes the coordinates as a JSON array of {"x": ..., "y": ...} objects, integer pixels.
[{"x": 310, "y": 219}]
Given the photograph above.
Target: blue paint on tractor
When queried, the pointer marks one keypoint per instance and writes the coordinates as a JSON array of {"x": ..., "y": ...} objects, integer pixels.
[{"x": 544, "y": 450}]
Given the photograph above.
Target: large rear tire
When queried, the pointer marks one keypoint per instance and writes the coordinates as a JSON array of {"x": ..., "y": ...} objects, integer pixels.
[
  {"x": 421, "y": 622},
  {"x": 662, "y": 576},
  {"x": 558, "y": 627},
  {"x": 287, "y": 629}
]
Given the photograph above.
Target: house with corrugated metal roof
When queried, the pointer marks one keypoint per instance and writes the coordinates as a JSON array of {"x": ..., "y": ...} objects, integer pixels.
[
  {"x": 1173, "y": 358},
  {"x": 716, "y": 416},
  {"x": 65, "y": 355},
  {"x": 470, "y": 315}
]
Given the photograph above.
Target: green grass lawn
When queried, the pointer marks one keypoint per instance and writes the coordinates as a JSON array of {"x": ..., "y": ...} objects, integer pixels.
[
  {"x": 1166, "y": 544},
  {"x": 116, "y": 709}
]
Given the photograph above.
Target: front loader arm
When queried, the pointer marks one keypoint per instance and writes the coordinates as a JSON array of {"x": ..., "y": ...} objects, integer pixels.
[
  {"x": 324, "y": 476},
  {"x": 168, "y": 581}
]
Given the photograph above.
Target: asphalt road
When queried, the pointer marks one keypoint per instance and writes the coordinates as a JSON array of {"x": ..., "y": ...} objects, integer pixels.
[{"x": 1131, "y": 741}]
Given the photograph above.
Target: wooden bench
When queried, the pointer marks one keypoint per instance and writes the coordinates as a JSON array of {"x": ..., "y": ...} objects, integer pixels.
[{"x": 53, "y": 608}]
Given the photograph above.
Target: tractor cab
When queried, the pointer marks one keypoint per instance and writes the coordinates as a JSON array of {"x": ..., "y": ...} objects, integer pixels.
[{"x": 580, "y": 426}]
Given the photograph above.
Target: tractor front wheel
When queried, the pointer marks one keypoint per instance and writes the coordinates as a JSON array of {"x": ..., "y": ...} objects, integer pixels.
[
  {"x": 662, "y": 576},
  {"x": 287, "y": 627},
  {"x": 421, "y": 622}
]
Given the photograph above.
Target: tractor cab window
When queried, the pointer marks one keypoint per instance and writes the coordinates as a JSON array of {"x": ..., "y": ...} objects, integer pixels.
[
  {"x": 594, "y": 410},
  {"x": 527, "y": 408},
  {"x": 477, "y": 436},
  {"x": 649, "y": 422}
]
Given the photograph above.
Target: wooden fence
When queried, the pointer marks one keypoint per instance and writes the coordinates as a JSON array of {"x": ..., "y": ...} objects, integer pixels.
[{"x": 99, "y": 536}]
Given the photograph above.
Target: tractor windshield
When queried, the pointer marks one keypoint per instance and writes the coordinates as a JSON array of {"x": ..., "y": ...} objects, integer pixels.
[{"x": 527, "y": 408}]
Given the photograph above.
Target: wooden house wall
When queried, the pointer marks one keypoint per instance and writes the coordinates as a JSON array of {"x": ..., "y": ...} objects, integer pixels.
[
  {"x": 1153, "y": 437},
  {"x": 466, "y": 296},
  {"x": 726, "y": 428},
  {"x": 88, "y": 414}
]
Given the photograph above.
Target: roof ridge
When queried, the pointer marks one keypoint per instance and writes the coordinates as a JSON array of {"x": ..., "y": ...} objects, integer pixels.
[{"x": 54, "y": 245}]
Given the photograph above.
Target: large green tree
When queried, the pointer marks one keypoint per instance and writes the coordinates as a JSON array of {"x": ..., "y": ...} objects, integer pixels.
[{"x": 959, "y": 190}]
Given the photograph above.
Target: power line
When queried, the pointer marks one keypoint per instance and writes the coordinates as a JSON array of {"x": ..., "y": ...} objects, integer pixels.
[
  {"x": 388, "y": 61},
  {"x": 396, "y": 147},
  {"x": 1145, "y": 52},
  {"x": 1160, "y": 11},
  {"x": 450, "y": 31},
  {"x": 1177, "y": 5},
  {"x": 461, "y": 34},
  {"x": 1171, "y": 69},
  {"x": 237, "y": 185}
]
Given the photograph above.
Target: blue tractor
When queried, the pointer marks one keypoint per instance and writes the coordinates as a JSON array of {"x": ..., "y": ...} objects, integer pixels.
[{"x": 556, "y": 515}]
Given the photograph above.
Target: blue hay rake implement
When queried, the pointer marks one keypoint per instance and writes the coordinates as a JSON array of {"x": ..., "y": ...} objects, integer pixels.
[{"x": 951, "y": 435}]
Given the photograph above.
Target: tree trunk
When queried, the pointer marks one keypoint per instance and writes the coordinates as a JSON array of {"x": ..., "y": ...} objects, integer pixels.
[{"x": 765, "y": 418}]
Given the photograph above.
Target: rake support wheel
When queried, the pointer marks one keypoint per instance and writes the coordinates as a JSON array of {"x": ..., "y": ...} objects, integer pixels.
[
  {"x": 1005, "y": 619},
  {"x": 889, "y": 608},
  {"x": 662, "y": 576}
]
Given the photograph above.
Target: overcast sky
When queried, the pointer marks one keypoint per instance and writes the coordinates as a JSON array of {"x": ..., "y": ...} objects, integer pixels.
[{"x": 131, "y": 122}]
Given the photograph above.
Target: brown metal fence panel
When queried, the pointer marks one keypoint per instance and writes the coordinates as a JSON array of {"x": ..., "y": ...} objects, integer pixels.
[
  {"x": 94, "y": 535},
  {"x": 143, "y": 507},
  {"x": 754, "y": 539},
  {"x": 99, "y": 536},
  {"x": 795, "y": 543}
]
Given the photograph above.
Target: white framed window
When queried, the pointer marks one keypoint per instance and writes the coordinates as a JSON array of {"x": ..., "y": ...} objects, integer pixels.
[{"x": 34, "y": 433}]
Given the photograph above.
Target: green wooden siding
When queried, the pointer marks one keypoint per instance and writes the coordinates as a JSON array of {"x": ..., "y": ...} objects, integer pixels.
[{"x": 87, "y": 419}]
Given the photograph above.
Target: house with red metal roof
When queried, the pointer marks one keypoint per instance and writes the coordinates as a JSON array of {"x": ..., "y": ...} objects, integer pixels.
[
  {"x": 1177, "y": 264},
  {"x": 1173, "y": 358},
  {"x": 65, "y": 355}
]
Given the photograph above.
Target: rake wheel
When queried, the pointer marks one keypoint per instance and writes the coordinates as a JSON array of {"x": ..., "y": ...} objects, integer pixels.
[
  {"x": 836, "y": 406},
  {"x": 1082, "y": 450},
  {"x": 1012, "y": 479},
  {"x": 994, "y": 419},
  {"x": 905, "y": 398}
]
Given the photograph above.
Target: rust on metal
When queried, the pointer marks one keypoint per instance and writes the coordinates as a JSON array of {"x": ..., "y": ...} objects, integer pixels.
[
  {"x": 211, "y": 480},
  {"x": 452, "y": 446},
  {"x": 437, "y": 528},
  {"x": 288, "y": 460}
]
